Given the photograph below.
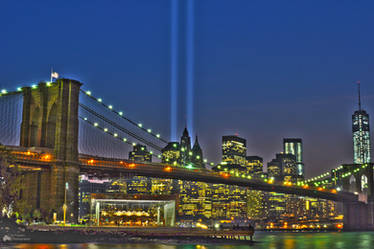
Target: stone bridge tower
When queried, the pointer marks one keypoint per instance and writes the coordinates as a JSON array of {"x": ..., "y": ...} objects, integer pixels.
[{"x": 50, "y": 123}]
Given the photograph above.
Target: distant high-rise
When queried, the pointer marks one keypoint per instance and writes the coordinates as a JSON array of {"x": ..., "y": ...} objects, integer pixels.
[
  {"x": 254, "y": 165},
  {"x": 171, "y": 153},
  {"x": 140, "y": 154},
  {"x": 234, "y": 150},
  {"x": 283, "y": 167},
  {"x": 361, "y": 134},
  {"x": 294, "y": 146}
]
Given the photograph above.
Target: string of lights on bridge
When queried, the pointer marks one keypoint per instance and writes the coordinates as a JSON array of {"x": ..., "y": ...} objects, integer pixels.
[
  {"x": 109, "y": 107},
  {"x": 317, "y": 182},
  {"x": 121, "y": 114},
  {"x": 139, "y": 125},
  {"x": 124, "y": 139}
]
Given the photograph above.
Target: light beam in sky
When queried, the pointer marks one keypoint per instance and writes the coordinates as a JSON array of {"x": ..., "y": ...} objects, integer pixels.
[
  {"x": 190, "y": 66},
  {"x": 174, "y": 70}
]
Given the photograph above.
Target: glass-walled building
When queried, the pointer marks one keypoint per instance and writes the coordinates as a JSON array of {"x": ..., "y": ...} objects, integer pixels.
[
  {"x": 361, "y": 137},
  {"x": 294, "y": 146}
]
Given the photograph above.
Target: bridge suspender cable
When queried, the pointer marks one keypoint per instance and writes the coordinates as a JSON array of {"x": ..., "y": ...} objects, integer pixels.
[
  {"x": 124, "y": 130},
  {"x": 114, "y": 135},
  {"x": 120, "y": 114}
]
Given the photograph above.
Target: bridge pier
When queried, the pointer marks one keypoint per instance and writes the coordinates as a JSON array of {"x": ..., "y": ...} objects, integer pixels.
[
  {"x": 355, "y": 216},
  {"x": 50, "y": 121}
]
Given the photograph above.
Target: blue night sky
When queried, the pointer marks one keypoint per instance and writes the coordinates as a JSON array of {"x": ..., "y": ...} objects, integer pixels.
[{"x": 263, "y": 69}]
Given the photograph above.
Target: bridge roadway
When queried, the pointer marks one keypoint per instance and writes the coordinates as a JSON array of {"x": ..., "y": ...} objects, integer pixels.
[{"x": 109, "y": 167}]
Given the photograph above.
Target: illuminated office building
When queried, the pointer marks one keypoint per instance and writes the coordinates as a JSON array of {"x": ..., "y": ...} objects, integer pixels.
[
  {"x": 234, "y": 150},
  {"x": 361, "y": 134},
  {"x": 283, "y": 167},
  {"x": 254, "y": 165},
  {"x": 290, "y": 172},
  {"x": 275, "y": 170},
  {"x": 171, "y": 153},
  {"x": 140, "y": 154},
  {"x": 294, "y": 146}
]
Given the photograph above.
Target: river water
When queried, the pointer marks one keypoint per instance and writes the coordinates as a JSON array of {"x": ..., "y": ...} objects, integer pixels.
[{"x": 349, "y": 240}]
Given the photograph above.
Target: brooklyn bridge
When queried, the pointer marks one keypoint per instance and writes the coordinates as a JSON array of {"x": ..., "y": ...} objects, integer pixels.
[{"x": 48, "y": 140}]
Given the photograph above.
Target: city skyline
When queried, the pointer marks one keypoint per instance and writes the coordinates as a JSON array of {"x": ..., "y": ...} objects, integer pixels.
[{"x": 260, "y": 92}]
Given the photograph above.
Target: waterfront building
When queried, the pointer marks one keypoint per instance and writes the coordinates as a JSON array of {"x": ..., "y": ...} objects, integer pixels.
[
  {"x": 234, "y": 150},
  {"x": 361, "y": 134},
  {"x": 140, "y": 154},
  {"x": 294, "y": 146}
]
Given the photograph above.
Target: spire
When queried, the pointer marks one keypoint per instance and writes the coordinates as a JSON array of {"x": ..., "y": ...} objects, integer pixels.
[
  {"x": 196, "y": 144},
  {"x": 185, "y": 132},
  {"x": 359, "y": 95}
]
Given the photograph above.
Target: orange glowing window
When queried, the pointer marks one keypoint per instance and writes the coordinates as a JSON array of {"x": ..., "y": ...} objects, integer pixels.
[
  {"x": 320, "y": 189},
  {"x": 333, "y": 191},
  {"x": 46, "y": 157},
  {"x": 121, "y": 162},
  {"x": 91, "y": 161},
  {"x": 132, "y": 165}
]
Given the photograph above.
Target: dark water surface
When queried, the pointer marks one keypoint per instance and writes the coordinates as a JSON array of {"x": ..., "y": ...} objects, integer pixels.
[{"x": 352, "y": 240}]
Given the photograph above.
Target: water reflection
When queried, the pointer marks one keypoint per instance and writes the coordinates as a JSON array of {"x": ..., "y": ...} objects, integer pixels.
[{"x": 357, "y": 240}]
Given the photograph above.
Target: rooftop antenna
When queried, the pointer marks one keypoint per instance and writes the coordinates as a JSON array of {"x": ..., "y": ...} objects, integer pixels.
[{"x": 359, "y": 95}]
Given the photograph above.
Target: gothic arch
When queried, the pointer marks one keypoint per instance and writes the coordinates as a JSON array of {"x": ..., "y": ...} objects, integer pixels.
[
  {"x": 364, "y": 182},
  {"x": 352, "y": 184}
]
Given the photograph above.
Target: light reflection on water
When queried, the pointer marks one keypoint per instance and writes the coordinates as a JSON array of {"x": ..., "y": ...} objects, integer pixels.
[{"x": 352, "y": 240}]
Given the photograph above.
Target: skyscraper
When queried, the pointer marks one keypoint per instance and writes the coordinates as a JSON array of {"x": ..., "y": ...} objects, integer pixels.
[
  {"x": 171, "y": 153},
  {"x": 234, "y": 150},
  {"x": 283, "y": 167},
  {"x": 294, "y": 146},
  {"x": 254, "y": 165},
  {"x": 140, "y": 153},
  {"x": 361, "y": 134}
]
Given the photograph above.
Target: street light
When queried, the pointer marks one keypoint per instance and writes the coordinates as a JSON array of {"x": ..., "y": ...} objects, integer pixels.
[{"x": 65, "y": 206}]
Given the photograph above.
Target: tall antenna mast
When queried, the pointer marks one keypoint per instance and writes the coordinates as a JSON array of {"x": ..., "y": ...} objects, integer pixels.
[{"x": 359, "y": 95}]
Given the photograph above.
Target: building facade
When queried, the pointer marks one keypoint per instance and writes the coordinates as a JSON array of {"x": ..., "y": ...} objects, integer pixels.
[
  {"x": 361, "y": 134},
  {"x": 234, "y": 150},
  {"x": 294, "y": 146}
]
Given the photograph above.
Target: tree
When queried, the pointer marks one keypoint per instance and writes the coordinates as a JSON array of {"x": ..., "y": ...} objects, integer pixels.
[{"x": 10, "y": 184}]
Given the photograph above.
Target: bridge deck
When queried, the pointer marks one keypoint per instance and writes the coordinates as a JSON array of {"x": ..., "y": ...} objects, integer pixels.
[{"x": 109, "y": 167}]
